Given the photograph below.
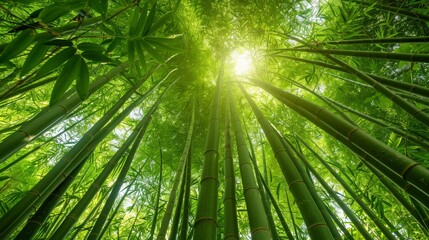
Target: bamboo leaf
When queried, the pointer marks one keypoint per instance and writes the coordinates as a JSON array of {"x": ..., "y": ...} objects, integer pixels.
[
  {"x": 134, "y": 21},
  {"x": 53, "y": 12},
  {"x": 59, "y": 42},
  {"x": 130, "y": 50},
  {"x": 56, "y": 61},
  {"x": 34, "y": 58},
  {"x": 160, "y": 22},
  {"x": 142, "y": 19},
  {"x": 87, "y": 46},
  {"x": 96, "y": 56},
  {"x": 82, "y": 82},
  {"x": 18, "y": 45},
  {"x": 151, "y": 51},
  {"x": 168, "y": 44},
  {"x": 115, "y": 42},
  {"x": 138, "y": 48},
  {"x": 149, "y": 20},
  {"x": 69, "y": 72}
]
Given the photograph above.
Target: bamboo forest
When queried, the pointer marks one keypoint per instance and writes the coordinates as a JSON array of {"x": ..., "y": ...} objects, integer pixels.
[{"x": 214, "y": 119}]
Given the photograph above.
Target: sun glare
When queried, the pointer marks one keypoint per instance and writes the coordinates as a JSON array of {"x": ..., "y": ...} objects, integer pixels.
[{"x": 242, "y": 61}]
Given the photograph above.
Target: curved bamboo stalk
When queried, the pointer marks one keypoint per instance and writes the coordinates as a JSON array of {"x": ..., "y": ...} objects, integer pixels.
[
  {"x": 409, "y": 87},
  {"x": 277, "y": 208},
  {"x": 301, "y": 169},
  {"x": 229, "y": 199},
  {"x": 255, "y": 209},
  {"x": 380, "y": 40},
  {"x": 409, "y": 170},
  {"x": 264, "y": 195},
  {"x": 178, "y": 209},
  {"x": 47, "y": 118},
  {"x": 180, "y": 168},
  {"x": 205, "y": 226},
  {"x": 80, "y": 207},
  {"x": 158, "y": 195},
  {"x": 395, "y": 10},
  {"x": 186, "y": 207},
  {"x": 98, "y": 225},
  {"x": 316, "y": 225},
  {"x": 407, "y": 135},
  {"x": 387, "y": 233},
  {"x": 69, "y": 161},
  {"x": 410, "y": 57},
  {"x": 343, "y": 228}
]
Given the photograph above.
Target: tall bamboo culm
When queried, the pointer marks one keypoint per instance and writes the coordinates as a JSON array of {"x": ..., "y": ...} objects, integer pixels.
[
  {"x": 205, "y": 226},
  {"x": 255, "y": 209},
  {"x": 229, "y": 199},
  {"x": 316, "y": 225}
]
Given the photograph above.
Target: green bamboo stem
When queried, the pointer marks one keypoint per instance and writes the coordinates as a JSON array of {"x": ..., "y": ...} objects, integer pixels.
[
  {"x": 15, "y": 92},
  {"x": 343, "y": 228},
  {"x": 186, "y": 207},
  {"x": 395, "y": 10},
  {"x": 95, "y": 232},
  {"x": 423, "y": 39},
  {"x": 41, "y": 215},
  {"x": 205, "y": 226},
  {"x": 412, "y": 88},
  {"x": 409, "y": 57},
  {"x": 180, "y": 168},
  {"x": 255, "y": 209},
  {"x": 277, "y": 208},
  {"x": 316, "y": 225},
  {"x": 409, "y": 170},
  {"x": 406, "y": 134},
  {"x": 80, "y": 207},
  {"x": 42, "y": 122},
  {"x": 387, "y": 233},
  {"x": 397, "y": 179},
  {"x": 50, "y": 181},
  {"x": 229, "y": 200},
  {"x": 89, "y": 216},
  {"x": 291, "y": 215},
  {"x": 290, "y": 150},
  {"x": 423, "y": 216},
  {"x": 264, "y": 195},
  {"x": 112, "y": 216},
  {"x": 178, "y": 209},
  {"x": 158, "y": 195},
  {"x": 341, "y": 113}
]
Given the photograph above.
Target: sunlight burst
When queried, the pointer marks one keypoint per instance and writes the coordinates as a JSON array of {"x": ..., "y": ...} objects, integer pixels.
[{"x": 242, "y": 62}]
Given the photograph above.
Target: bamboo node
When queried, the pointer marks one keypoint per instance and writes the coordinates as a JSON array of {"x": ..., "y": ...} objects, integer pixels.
[
  {"x": 317, "y": 225},
  {"x": 63, "y": 107},
  {"x": 296, "y": 181},
  {"x": 259, "y": 229},
  {"x": 407, "y": 170},
  {"x": 406, "y": 187},
  {"x": 350, "y": 134},
  {"x": 250, "y": 188},
  {"x": 203, "y": 219},
  {"x": 208, "y": 177}
]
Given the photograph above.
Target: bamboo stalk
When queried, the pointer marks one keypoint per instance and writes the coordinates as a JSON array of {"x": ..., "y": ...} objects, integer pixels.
[
  {"x": 50, "y": 181},
  {"x": 387, "y": 233},
  {"x": 186, "y": 207},
  {"x": 277, "y": 208},
  {"x": 180, "y": 168},
  {"x": 178, "y": 209},
  {"x": 229, "y": 200},
  {"x": 80, "y": 207},
  {"x": 255, "y": 209},
  {"x": 316, "y": 225},
  {"x": 158, "y": 195},
  {"x": 409, "y": 170},
  {"x": 205, "y": 225},
  {"x": 423, "y": 39},
  {"x": 412, "y": 88},
  {"x": 409, "y": 57}
]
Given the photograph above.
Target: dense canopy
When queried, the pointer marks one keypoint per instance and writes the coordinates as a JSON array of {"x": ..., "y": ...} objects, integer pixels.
[{"x": 282, "y": 119}]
